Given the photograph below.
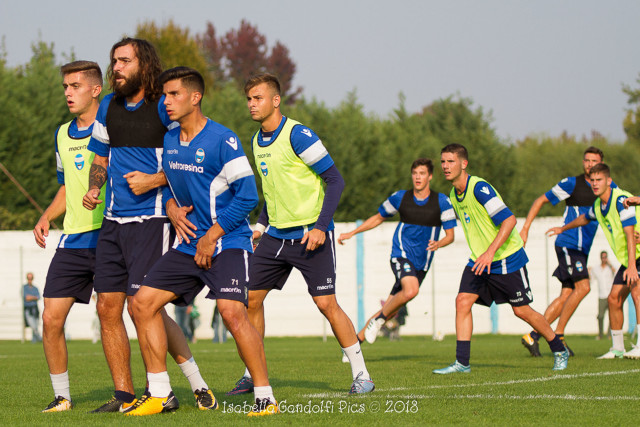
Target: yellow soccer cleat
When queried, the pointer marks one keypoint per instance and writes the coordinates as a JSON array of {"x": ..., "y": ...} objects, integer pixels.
[
  {"x": 205, "y": 399},
  {"x": 264, "y": 407},
  {"x": 58, "y": 405},
  {"x": 148, "y": 405}
]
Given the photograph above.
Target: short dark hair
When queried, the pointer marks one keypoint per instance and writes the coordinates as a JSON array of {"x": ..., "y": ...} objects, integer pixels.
[
  {"x": 423, "y": 161},
  {"x": 595, "y": 150},
  {"x": 457, "y": 149},
  {"x": 190, "y": 78},
  {"x": 602, "y": 168},
  {"x": 90, "y": 69},
  {"x": 149, "y": 62},
  {"x": 271, "y": 80}
]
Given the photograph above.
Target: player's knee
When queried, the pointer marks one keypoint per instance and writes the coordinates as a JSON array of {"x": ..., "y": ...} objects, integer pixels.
[
  {"x": 463, "y": 303},
  {"x": 327, "y": 306},
  {"x": 411, "y": 292},
  {"x": 52, "y": 322}
]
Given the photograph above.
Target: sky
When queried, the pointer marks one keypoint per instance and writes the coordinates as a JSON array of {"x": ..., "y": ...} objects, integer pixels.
[{"x": 539, "y": 67}]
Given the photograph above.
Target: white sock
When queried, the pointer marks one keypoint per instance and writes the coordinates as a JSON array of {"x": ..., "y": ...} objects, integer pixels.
[
  {"x": 617, "y": 339},
  {"x": 60, "y": 383},
  {"x": 246, "y": 373},
  {"x": 263, "y": 392},
  {"x": 354, "y": 353},
  {"x": 159, "y": 384},
  {"x": 192, "y": 372}
]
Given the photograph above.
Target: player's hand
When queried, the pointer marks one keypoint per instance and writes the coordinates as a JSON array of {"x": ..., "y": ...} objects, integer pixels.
[
  {"x": 204, "y": 251},
  {"x": 524, "y": 235},
  {"x": 631, "y": 201},
  {"x": 90, "y": 200},
  {"x": 41, "y": 231},
  {"x": 178, "y": 217},
  {"x": 433, "y": 245},
  {"x": 139, "y": 182},
  {"x": 630, "y": 275},
  {"x": 482, "y": 262},
  {"x": 314, "y": 238},
  {"x": 343, "y": 237},
  {"x": 256, "y": 238},
  {"x": 554, "y": 231}
]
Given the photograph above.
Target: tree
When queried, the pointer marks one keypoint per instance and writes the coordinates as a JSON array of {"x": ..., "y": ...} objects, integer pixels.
[
  {"x": 175, "y": 47},
  {"x": 631, "y": 121},
  {"x": 243, "y": 52}
]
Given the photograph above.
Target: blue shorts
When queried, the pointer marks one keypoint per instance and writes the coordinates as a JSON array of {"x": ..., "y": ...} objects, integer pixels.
[
  {"x": 512, "y": 288},
  {"x": 71, "y": 274},
  {"x": 572, "y": 267},
  {"x": 402, "y": 267},
  {"x": 274, "y": 259},
  {"x": 619, "y": 279},
  {"x": 177, "y": 272},
  {"x": 126, "y": 252}
]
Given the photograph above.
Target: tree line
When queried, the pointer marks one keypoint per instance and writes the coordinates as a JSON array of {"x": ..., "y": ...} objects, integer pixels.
[{"x": 373, "y": 153}]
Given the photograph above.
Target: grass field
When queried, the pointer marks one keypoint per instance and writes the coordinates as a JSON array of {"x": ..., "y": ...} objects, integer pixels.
[{"x": 505, "y": 387}]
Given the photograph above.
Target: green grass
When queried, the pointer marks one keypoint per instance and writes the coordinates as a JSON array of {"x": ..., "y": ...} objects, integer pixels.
[{"x": 505, "y": 387}]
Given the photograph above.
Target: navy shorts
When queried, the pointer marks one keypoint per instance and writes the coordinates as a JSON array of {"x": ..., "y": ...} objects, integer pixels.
[
  {"x": 274, "y": 259},
  {"x": 572, "y": 267},
  {"x": 402, "y": 267},
  {"x": 126, "y": 252},
  {"x": 512, "y": 288},
  {"x": 71, "y": 274},
  {"x": 619, "y": 279},
  {"x": 177, "y": 272}
]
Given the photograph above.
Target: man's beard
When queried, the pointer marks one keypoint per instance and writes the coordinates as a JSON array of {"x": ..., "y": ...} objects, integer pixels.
[{"x": 130, "y": 87}]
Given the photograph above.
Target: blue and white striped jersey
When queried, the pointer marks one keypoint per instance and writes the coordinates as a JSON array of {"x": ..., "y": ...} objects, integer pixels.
[
  {"x": 212, "y": 174},
  {"x": 411, "y": 240}
]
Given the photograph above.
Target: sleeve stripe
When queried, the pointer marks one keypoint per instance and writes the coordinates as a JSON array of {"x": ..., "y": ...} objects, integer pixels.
[
  {"x": 627, "y": 214},
  {"x": 559, "y": 192},
  {"x": 388, "y": 208},
  {"x": 232, "y": 171},
  {"x": 494, "y": 206},
  {"x": 314, "y": 153},
  {"x": 100, "y": 132},
  {"x": 448, "y": 215},
  {"x": 59, "y": 162}
]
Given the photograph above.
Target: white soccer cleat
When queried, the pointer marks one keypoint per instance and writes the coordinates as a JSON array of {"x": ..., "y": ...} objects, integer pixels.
[
  {"x": 374, "y": 326},
  {"x": 634, "y": 353},
  {"x": 612, "y": 354}
]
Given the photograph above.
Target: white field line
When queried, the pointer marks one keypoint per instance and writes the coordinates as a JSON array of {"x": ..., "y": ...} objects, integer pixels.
[{"x": 492, "y": 384}]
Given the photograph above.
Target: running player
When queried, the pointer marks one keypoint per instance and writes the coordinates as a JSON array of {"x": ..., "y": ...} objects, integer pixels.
[
  {"x": 572, "y": 248},
  {"x": 213, "y": 192},
  {"x": 496, "y": 271},
  {"x": 127, "y": 139},
  {"x": 70, "y": 276},
  {"x": 422, "y": 213},
  {"x": 613, "y": 209},
  {"x": 298, "y": 210}
]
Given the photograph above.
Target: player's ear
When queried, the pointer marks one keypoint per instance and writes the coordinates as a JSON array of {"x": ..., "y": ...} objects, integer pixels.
[
  {"x": 97, "y": 89},
  {"x": 464, "y": 164},
  {"x": 276, "y": 101}
]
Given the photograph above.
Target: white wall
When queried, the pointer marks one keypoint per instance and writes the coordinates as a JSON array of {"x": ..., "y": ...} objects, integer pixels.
[{"x": 291, "y": 312}]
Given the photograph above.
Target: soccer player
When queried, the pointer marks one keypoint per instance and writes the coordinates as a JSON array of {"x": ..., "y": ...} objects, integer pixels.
[
  {"x": 619, "y": 221},
  {"x": 496, "y": 271},
  {"x": 422, "y": 213},
  {"x": 572, "y": 248},
  {"x": 293, "y": 165},
  {"x": 212, "y": 193},
  {"x": 70, "y": 276},
  {"x": 127, "y": 141}
]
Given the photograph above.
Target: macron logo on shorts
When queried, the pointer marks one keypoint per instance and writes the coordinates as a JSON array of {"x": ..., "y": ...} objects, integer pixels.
[{"x": 232, "y": 290}]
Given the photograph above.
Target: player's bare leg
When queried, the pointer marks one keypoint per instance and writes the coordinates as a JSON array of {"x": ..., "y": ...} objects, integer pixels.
[{"x": 115, "y": 341}]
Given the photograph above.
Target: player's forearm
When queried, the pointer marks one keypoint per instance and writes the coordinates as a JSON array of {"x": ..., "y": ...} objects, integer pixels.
[
  {"x": 332, "y": 194},
  {"x": 98, "y": 172},
  {"x": 578, "y": 222},
  {"x": 368, "y": 224},
  {"x": 447, "y": 239},
  {"x": 629, "y": 232},
  {"x": 534, "y": 210},
  {"x": 58, "y": 205},
  {"x": 503, "y": 234},
  {"x": 158, "y": 180}
]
